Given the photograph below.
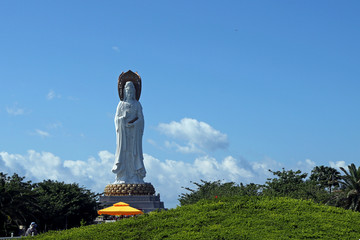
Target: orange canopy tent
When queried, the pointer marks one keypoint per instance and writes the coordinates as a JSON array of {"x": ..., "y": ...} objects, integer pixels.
[{"x": 119, "y": 209}]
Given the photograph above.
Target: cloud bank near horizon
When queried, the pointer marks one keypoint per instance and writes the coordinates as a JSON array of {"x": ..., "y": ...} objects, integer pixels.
[{"x": 167, "y": 176}]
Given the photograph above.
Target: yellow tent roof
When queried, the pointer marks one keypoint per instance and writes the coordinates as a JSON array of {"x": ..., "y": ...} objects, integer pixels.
[
  {"x": 121, "y": 204},
  {"x": 120, "y": 208}
]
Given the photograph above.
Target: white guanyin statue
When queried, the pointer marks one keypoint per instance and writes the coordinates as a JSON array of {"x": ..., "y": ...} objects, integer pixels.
[{"x": 129, "y": 125}]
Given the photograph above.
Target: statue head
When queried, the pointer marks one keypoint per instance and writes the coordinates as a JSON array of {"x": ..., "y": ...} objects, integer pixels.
[
  {"x": 134, "y": 78},
  {"x": 129, "y": 91}
]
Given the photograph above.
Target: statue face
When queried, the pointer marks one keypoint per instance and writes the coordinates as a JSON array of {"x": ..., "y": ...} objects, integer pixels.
[{"x": 129, "y": 90}]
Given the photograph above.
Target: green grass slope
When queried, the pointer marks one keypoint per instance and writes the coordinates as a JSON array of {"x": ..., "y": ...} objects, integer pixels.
[{"x": 240, "y": 218}]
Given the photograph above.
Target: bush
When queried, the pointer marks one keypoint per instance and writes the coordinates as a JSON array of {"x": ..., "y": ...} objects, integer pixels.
[{"x": 210, "y": 190}]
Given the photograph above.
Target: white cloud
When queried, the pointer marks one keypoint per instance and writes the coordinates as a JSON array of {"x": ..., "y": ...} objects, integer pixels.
[
  {"x": 15, "y": 110},
  {"x": 310, "y": 162},
  {"x": 152, "y": 142},
  {"x": 35, "y": 165},
  {"x": 338, "y": 164},
  {"x": 306, "y": 166},
  {"x": 94, "y": 173},
  {"x": 42, "y": 133},
  {"x": 115, "y": 48},
  {"x": 198, "y": 136},
  {"x": 170, "y": 176},
  {"x": 51, "y": 95},
  {"x": 232, "y": 167},
  {"x": 72, "y": 98},
  {"x": 189, "y": 148},
  {"x": 54, "y": 125}
]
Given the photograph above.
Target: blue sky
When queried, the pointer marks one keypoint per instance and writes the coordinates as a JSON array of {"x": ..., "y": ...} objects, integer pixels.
[{"x": 230, "y": 88}]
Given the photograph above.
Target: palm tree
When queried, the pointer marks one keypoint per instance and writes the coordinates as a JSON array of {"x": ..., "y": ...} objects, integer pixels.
[{"x": 351, "y": 181}]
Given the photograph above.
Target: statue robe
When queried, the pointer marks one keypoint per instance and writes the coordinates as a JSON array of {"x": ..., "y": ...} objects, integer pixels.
[{"x": 129, "y": 165}]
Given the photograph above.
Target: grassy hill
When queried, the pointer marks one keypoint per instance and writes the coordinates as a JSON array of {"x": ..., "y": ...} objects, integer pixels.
[{"x": 236, "y": 218}]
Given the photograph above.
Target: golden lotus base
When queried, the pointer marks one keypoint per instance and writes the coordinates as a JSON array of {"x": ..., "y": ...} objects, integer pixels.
[{"x": 129, "y": 189}]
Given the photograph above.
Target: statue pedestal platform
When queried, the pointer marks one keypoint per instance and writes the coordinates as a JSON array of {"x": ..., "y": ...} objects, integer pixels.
[{"x": 145, "y": 203}]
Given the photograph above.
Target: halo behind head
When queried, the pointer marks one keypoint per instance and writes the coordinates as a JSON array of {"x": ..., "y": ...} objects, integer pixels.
[{"x": 126, "y": 77}]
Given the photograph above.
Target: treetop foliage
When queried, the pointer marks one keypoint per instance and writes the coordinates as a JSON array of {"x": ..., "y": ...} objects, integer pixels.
[
  {"x": 325, "y": 185},
  {"x": 51, "y": 204}
]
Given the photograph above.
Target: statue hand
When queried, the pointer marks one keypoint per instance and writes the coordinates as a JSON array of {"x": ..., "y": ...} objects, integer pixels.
[{"x": 129, "y": 125}]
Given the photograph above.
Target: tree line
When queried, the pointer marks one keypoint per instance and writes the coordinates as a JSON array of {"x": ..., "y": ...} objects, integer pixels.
[
  {"x": 325, "y": 185},
  {"x": 56, "y": 205},
  {"x": 51, "y": 204}
]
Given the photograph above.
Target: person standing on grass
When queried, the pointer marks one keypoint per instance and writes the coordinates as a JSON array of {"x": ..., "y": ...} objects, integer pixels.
[{"x": 31, "y": 231}]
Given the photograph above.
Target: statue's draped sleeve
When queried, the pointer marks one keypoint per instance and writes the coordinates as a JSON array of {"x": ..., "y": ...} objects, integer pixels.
[
  {"x": 119, "y": 138},
  {"x": 139, "y": 163}
]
